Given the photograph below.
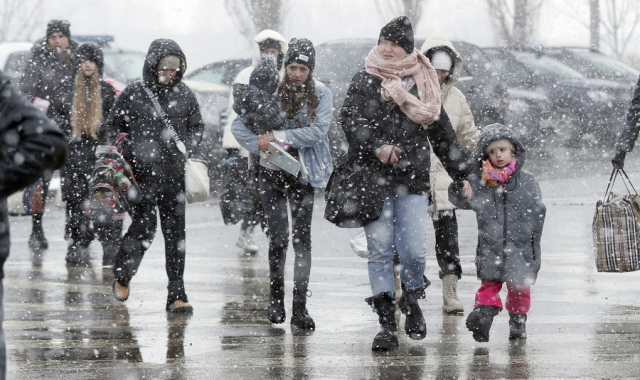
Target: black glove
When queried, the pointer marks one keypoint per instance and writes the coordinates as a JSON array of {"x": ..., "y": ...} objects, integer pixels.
[{"x": 618, "y": 160}]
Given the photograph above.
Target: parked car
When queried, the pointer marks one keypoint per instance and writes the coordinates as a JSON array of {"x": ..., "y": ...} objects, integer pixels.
[
  {"x": 580, "y": 106},
  {"x": 13, "y": 58},
  {"x": 221, "y": 72},
  {"x": 337, "y": 62},
  {"x": 594, "y": 64}
]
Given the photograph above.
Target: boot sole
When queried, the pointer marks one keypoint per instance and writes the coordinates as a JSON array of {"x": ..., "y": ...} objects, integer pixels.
[
  {"x": 384, "y": 346},
  {"x": 472, "y": 323}
]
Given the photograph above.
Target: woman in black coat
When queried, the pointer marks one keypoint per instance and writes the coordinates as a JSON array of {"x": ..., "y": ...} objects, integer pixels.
[
  {"x": 80, "y": 110},
  {"x": 390, "y": 115},
  {"x": 50, "y": 66},
  {"x": 158, "y": 165}
]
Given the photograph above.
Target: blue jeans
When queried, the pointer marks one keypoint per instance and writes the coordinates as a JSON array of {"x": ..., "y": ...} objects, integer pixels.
[{"x": 402, "y": 228}]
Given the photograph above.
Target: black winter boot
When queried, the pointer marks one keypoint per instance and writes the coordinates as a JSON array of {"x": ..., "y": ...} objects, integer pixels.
[
  {"x": 109, "y": 253},
  {"x": 275, "y": 310},
  {"x": 479, "y": 321},
  {"x": 517, "y": 326},
  {"x": 77, "y": 255},
  {"x": 37, "y": 240},
  {"x": 387, "y": 338},
  {"x": 300, "y": 317},
  {"x": 414, "y": 324}
]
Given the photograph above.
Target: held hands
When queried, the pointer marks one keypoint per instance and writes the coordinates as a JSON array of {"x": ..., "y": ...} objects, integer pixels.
[
  {"x": 388, "y": 154},
  {"x": 618, "y": 159},
  {"x": 264, "y": 140},
  {"x": 466, "y": 191},
  {"x": 41, "y": 104}
]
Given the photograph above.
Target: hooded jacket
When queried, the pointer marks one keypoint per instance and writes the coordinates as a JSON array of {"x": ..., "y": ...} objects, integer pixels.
[
  {"x": 46, "y": 70},
  {"x": 510, "y": 218},
  {"x": 456, "y": 106},
  {"x": 27, "y": 134},
  {"x": 228, "y": 140},
  {"x": 152, "y": 151}
]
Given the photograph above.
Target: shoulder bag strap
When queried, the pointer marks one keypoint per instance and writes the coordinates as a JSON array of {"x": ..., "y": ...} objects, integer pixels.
[{"x": 181, "y": 147}]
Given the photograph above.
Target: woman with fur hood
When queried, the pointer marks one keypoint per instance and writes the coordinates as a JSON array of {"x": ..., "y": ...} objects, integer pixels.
[
  {"x": 448, "y": 64},
  {"x": 80, "y": 109}
]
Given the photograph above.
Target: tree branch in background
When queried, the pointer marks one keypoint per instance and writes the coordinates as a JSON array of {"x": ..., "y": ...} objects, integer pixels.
[
  {"x": 388, "y": 9},
  {"x": 514, "y": 21},
  {"x": 19, "y": 19},
  {"x": 252, "y": 16},
  {"x": 619, "y": 19}
]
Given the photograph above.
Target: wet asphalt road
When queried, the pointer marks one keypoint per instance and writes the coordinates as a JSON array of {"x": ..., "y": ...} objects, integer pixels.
[{"x": 62, "y": 323}]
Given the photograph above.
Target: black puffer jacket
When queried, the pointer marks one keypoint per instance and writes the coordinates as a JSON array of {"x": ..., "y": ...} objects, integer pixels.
[
  {"x": 30, "y": 143},
  {"x": 369, "y": 122},
  {"x": 152, "y": 150},
  {"x": 82, "y": 150},
  {"x": 46, "y": 70},
  {"x": 510, "y": 218}
]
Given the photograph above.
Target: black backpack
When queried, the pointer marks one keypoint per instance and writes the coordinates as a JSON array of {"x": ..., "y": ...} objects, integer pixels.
[{"x": 113, "y": 185}]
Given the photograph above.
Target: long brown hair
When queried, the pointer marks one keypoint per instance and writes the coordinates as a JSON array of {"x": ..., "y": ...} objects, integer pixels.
[
  {"x": 86, "y": 107},
  {"x": 294, "y": 98}
]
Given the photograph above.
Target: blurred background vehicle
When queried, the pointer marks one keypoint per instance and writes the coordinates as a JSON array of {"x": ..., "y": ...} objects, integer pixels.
[
  {"x": 13, "y": 58},
  {"x": 593, "y": 64},
  {"x": 580, "y": 106},
  {"x": 212, "y": 85},
  {"x": 221, "y": 72}
]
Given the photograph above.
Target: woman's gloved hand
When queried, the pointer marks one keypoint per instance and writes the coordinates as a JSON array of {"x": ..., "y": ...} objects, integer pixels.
[{"x": 618, "y": 159}]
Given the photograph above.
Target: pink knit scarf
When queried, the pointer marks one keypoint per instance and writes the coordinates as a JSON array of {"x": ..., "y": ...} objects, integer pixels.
[
  {"x": 497, "y": 176},
  {"x": 422, "y": 110}
]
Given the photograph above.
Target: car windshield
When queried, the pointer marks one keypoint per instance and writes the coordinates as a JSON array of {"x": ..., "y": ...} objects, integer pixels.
[
  {"x": 547, "y": 66},
  {"x": 608, "y": 67},
  {"x": 338, "y": 62},
  {"x": 124, "y": 66}
]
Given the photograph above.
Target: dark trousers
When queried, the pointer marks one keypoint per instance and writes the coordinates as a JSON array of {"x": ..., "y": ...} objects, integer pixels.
[
  {"x": 276, "y": 188},
  {"x": 445, "y": 225},
  {"x": 165, "y": 195}
]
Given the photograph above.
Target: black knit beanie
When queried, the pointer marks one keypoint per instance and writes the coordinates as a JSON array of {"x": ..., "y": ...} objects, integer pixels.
[
  {"x": 62, "y": 26},
  {"x": 301, "y": 51},
  {"x": 265, "y": 75},
  {"x": 90, "y": 52},
  {"x": 400, "y": 31}
]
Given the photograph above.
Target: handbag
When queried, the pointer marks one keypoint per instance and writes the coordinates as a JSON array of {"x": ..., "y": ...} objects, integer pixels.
[
  {"x": 354, "y": 198},
  {"x": 616, "y": 229},
  {"x": 196, "y": 176}
]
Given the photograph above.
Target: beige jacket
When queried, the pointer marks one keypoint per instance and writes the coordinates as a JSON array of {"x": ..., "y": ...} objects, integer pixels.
[{"x": 455, "y": 104}]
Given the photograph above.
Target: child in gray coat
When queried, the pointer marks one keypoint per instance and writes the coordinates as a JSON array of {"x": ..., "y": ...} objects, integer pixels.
[{"x": 510, "y": 214}]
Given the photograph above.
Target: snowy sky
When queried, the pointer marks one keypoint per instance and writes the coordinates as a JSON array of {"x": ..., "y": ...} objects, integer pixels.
[{"x": 206, "y": 33}]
